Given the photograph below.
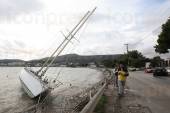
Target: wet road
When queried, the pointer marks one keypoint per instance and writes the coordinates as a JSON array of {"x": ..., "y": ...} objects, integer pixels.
[{"x": 153, "y": 92}]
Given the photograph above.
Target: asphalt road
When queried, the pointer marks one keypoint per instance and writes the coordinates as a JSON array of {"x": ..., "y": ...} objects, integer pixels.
[{"x": 153, "y": 92}]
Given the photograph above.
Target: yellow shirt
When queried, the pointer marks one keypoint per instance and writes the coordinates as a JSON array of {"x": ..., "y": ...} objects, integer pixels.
[{"x": 121, "y": 75}]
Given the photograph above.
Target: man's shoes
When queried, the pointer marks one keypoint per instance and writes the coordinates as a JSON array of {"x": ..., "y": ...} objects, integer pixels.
[{"x": 120, "y": 95}]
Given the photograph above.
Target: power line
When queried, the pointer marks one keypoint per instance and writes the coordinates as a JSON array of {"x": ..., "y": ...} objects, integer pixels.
[{"x": 148, "y": 34}]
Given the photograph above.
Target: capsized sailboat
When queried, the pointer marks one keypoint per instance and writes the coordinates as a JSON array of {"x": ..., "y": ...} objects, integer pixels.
[
  {"x": 31, "y": 80},
  {"x": 31, "y": 83}
]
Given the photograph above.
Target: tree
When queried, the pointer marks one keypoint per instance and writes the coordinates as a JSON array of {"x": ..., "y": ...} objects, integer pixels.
[
  {"x": 164, "y": 39},
  {"x": 156, "y": 61},
  {"x": 108, "y": 63},
  {"x": 123, "y": 59},
  {"x": 135, "y": 59}
]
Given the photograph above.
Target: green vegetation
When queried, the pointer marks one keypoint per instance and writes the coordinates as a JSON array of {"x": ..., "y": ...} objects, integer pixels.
[
  {"x": 136, "y": 59},
  {"x": 109, "y": 63},
  {"x": 100, "y": 106},
  {"x": 133, "y": 59},
  {"x": 156, "y": 61},
  {"x": 164, "y": 39}
]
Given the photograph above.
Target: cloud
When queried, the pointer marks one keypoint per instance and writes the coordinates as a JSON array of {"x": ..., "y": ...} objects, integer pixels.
[
  {"x": 135, "y": 23},
  {"x": 11, "y": 8},
  {"x": 150, "y": 53},
  {"x": 20, "y": 44},
  {"x": 149, "y": 18},
  {"x": 113, "y": 24}
]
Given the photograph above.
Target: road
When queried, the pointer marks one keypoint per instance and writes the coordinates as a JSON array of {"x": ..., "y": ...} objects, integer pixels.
[{"x": 153, "y": 92}]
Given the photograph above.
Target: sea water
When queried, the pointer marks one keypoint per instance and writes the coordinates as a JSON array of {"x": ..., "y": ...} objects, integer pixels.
[{"x": 13, "y": 99}]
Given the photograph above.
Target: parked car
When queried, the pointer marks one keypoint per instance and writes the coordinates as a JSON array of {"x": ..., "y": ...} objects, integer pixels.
[
  {"x": 160, "y": 71},
  {"x": 148, "y": 70},
  {"x": 137, "y": 69},
  {"x": 142, "y": 69},
  {"x": 168, "y": 70},
  {"x": 132, "y": 69}
]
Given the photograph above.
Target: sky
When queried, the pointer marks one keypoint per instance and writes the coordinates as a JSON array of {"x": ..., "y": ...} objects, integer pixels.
[{"x": 31, "y": 29}]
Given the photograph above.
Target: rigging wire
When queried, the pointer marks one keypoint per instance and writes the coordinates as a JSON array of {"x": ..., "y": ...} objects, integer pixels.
[
  {"x": 42, "y": 74},
  {"x": 65, "y": 40},
  {"x": 72, "y": 36}
]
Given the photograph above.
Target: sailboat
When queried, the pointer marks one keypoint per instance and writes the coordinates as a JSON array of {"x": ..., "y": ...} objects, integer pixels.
[{"x": 31, "y": 80}]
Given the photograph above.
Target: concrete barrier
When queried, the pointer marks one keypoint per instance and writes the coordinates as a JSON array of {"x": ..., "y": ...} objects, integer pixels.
[{"x": 89, "y": 108}]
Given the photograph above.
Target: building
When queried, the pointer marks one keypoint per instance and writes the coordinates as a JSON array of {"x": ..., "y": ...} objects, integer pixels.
[{"x": 168, "y": 62}]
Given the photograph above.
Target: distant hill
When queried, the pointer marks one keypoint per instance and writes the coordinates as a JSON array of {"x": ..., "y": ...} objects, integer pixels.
[
  {"x": 64, "y": 59},
  {"x": 85, "y": 59},
  {"x": 74, "y": 58},
  {"x": 10, "y": 60}
]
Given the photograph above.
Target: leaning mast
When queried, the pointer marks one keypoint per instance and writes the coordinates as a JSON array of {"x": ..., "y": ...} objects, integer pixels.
[{"x": 65, "y": 42}]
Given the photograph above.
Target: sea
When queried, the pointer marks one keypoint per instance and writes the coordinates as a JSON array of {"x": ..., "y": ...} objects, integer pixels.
[{"x": 70, "y": 81}]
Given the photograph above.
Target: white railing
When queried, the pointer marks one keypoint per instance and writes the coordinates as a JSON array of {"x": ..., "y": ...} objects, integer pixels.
[
  {"x": 90, "y": 106},
  {"x": 93, "y": 101}
]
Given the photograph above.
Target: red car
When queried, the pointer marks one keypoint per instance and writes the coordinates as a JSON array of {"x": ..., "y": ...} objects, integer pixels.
[{"x": 148, "y": 70}]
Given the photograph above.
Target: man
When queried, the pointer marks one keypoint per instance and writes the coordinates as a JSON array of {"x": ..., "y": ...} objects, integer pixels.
[
  {"x": 117, "y": 68},
  {"x": 122, "y": 75}
]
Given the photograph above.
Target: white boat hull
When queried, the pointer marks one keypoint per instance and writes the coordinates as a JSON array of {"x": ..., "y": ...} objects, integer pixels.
[{"x": 31, "y": 84}]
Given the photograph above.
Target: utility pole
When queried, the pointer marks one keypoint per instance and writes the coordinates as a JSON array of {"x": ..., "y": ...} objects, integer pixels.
[{"x": 127, "y": 48}]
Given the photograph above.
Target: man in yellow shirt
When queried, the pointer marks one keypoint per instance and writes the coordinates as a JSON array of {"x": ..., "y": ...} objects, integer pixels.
[{"x": 122, "y": 75}]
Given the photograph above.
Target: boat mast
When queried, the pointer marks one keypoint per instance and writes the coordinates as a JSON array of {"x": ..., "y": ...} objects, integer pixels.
[
  {"x": 72, "y": 36},
  {"x": 66, "y": 38}
]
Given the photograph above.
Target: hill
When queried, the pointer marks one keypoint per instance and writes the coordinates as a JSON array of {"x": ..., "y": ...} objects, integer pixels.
[{"x": 63, "y": 60}]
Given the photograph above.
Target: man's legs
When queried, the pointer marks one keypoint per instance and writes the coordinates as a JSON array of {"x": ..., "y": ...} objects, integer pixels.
[
  {"x": 116, "y": 81},
  {"x": 121, "y": 85}
]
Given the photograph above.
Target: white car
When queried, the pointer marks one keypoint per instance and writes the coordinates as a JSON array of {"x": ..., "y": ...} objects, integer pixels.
[
  {"x": 132, "y": 69},
  {"x": 168, "y": 70}
]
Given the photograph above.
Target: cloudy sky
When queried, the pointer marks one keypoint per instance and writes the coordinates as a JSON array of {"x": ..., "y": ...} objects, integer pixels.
[{"x": 30, "y": 29}]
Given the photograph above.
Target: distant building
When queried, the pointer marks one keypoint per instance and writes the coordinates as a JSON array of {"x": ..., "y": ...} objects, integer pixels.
[
  {"x": 168, "y": 62},
  {"x": 16, "y": 64},
  {"x": 101, "y": 66},
  {"x": 3, "y": 64},
  {"x": 148, "y": 65},
  {"x": 38, "y": 65},
  {"x": 63, "y": 65},
  {"x": 92, "y": 64}
]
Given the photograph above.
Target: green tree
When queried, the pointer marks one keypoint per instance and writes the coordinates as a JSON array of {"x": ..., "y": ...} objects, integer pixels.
[
  {"x": 164, "y": 39},
  {"x": 156, "y": 61},
  {"x": 123, "y": 59},
  {"x": 134, "y": 58},
  {"x": 109, "y": 63}
]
